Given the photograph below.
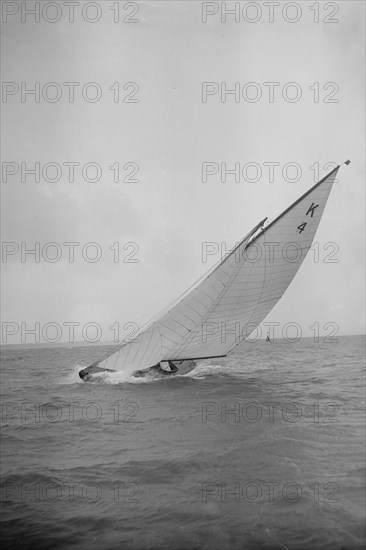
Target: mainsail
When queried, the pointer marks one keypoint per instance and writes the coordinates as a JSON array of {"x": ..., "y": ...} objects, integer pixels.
[{"x": 225, "y": 306}]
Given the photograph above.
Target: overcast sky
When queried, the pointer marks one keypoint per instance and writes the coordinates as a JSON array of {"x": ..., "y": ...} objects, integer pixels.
[{"x": 167, "y": 134}]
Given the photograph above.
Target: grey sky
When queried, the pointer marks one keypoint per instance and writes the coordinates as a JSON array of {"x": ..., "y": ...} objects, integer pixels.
[{"x": 169, "y": 133}]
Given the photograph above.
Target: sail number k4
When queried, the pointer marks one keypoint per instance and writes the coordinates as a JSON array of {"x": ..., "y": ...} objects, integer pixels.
[{"x": 310, "y": 211}]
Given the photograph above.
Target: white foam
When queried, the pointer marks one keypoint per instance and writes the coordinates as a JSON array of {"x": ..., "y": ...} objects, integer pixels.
[
  {"x": 207, "y": 369},
  {"x": 119, "y": 378},
  {"x": 201, "y": 371},
  {"x": 103, "y": 377},
  {"x": 73, "y": 376}
]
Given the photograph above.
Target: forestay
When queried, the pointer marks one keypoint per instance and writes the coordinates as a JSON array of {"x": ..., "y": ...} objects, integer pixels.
[{"x": 228, "y": 304}]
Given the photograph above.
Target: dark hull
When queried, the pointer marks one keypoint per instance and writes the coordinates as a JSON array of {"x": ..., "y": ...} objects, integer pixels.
[
  {"x": 183, "y": 367},
  {"x": 87, "y": 373}
]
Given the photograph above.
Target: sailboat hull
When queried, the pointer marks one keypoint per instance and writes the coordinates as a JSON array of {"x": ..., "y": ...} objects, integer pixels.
[
  {"x": 87, "y": 374},
  {"x": 183, "y": 367}
]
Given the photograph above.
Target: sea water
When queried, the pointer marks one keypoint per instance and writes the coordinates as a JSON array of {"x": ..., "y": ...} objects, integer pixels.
[{"x": 263, "y": 449}]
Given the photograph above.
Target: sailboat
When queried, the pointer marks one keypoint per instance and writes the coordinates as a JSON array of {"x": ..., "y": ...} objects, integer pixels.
[{"x": 229, "y": 302}]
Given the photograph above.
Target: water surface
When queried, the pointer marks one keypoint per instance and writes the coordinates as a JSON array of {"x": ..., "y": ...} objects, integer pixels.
[{"x": 264, "y": 449}]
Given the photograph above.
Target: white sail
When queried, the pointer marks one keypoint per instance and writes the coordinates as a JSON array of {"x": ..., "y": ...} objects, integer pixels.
[{"x": 228, "y": 304}]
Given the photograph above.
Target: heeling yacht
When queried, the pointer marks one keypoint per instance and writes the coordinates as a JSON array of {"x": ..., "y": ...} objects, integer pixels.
[{"x": 228, "y": 303}]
